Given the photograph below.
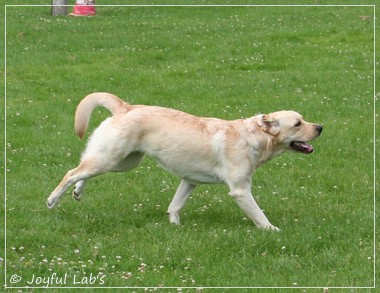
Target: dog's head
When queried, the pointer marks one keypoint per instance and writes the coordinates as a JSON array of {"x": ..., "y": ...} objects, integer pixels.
[{"x": 290, "y": 130}]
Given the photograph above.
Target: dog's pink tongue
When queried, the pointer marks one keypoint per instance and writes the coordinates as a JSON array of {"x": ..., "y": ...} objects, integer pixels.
[
  {"x": 308, "y": 148},
  {"x": 302, "y": 147}
]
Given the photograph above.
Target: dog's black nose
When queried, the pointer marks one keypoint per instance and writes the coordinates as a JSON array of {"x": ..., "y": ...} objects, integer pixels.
[{"x": 319, "y": 128}]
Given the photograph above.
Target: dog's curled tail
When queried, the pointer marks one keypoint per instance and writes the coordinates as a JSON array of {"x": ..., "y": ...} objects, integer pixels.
[{"x": 89, "y": 103}]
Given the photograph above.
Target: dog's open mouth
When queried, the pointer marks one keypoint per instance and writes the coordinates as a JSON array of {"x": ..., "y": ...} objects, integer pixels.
[{"x": 302, "y": 147}]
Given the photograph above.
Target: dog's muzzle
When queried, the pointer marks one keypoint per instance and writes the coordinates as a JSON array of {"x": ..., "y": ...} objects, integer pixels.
[{"x": 304, "y": 147}]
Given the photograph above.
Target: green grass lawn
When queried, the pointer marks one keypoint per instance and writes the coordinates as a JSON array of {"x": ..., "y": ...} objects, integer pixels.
[{"x": 226, "y": 62}]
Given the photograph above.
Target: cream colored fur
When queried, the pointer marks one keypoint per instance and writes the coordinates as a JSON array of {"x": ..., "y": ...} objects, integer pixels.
[{"x": 198, "y": 150}]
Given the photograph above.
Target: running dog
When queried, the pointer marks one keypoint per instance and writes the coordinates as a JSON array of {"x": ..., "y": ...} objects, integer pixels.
[{"x": 198, "y": 150}]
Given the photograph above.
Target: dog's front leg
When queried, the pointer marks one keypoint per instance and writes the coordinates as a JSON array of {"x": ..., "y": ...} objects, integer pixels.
[
  {"x": 247, "y": 203},
  {"x": 182, "y": 194}
]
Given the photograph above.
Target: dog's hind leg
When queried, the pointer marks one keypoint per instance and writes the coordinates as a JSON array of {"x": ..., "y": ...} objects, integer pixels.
[
  {"x": 78, "y": 190},
  {"x": 182, "y": 194},
  {"x": 87, "y": 168},
  {"x": 130, "y": 162},
  {"x": 105, "y": 152}
]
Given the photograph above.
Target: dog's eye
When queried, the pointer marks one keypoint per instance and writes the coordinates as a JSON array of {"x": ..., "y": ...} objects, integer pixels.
[{"x": 298, "y": 124}]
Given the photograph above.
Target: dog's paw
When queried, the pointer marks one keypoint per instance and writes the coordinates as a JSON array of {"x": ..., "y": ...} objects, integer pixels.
[
  {"x": 174, "y": 219},
  {"x": 50, "y": 204},
  {"x": 272, "y": 228},
  {"x": 76, "y": 196}
]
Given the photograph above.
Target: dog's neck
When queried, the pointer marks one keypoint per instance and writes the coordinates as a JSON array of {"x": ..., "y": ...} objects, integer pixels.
[{"x": 265, "y": 148}]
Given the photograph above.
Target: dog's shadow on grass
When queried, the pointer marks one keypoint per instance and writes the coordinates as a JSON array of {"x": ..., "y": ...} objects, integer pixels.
[{"x": 103, "y": 216}]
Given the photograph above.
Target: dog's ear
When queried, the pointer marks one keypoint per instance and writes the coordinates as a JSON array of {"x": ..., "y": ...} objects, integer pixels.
[{"x": 268, "y": 124}]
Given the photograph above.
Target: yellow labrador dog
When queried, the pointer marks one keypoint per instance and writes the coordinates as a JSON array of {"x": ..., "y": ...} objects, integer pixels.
[{"x": 199, "y": 150}]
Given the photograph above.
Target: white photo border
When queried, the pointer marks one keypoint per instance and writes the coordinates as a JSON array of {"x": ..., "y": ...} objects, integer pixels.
[{"x": 193, "y": 5}]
